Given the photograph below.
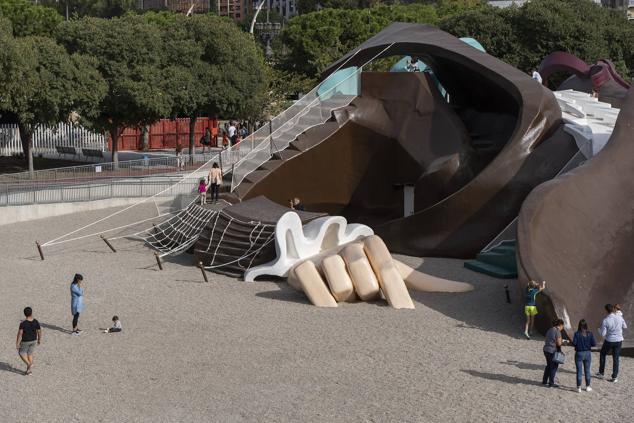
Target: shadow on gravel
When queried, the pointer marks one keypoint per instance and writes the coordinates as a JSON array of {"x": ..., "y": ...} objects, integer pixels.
[
  {"x": 502, "y": 378},
  {"x": 484, "y": 308},
  {"x": 285, "y": 293},
  {"x": 55, "y": 328},
  {"x": 9, "y": 368},
  {"x": 532, "y": 366}
]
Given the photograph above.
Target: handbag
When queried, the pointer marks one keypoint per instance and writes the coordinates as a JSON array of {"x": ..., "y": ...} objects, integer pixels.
[{"x": 559, "y": 357}]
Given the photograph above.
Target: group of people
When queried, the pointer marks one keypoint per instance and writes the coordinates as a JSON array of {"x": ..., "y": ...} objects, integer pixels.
[
  {"x": 213, "y": 182},
  {"x": 583, "y": 341},
  {"x": 230, "y": 134},
  {"x": 30, "y": 332}
]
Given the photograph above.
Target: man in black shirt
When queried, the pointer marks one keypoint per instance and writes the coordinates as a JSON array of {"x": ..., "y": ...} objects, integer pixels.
[{"x": 29, "y": 334}]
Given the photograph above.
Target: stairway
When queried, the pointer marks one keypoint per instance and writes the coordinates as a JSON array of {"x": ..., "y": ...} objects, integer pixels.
[{"x": 499, "y": 261}]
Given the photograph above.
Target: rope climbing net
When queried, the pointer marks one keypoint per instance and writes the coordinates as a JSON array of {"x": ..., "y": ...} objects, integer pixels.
[
  {"x": 179, "y": 232},
  {"x": 256, "y": 237}
]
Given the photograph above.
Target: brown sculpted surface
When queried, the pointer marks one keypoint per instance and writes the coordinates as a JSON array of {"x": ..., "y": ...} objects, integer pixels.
[
  {"x": 577, "y": 233},
  {"x": 472, "y": 161}
]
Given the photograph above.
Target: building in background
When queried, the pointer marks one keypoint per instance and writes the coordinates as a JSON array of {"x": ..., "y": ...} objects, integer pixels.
[{"x": 235, "y": 9}]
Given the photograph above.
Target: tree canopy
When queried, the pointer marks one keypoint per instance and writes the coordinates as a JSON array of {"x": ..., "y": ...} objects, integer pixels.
[
  {"x": 94, "y": 8},
  {"x": 30, "y": 19},
  {"x": 46, "y": 85},
  {"x": 130, "y": 56},
  {"x": 523, "y": 36}
]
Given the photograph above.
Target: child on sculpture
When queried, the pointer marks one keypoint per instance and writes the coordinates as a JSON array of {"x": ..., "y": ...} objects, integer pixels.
[
  {"x": 202, "y": 191},
  {"x": 530, "y": 306}
]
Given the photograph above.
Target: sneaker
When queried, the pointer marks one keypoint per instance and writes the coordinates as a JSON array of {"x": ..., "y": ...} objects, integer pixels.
[
  {"x": 75, "y": 333},
  {"x": 578, "y": 389},
  {"x": 588, "y": 389},
  {"x": 613, "y": 380},
  {"x": 553, "y": 385},
  {"x": 599, "y": 375},
  {"x": 527, "y": 335}
]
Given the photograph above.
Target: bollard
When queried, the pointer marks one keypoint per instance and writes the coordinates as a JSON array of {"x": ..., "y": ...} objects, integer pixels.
[
  {"x": 202, "y": 269},
  {"x": 158, "y": 261},
  {"x": 108, "y": 243},
  {"x": 39, "y": 248},
  {"x": 508, "y": 294}
]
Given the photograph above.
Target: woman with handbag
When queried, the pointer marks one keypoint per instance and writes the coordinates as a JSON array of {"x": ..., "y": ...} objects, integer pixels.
[
  {"x": 552, "y": 352},
  {"x": 583, "y": 342}
]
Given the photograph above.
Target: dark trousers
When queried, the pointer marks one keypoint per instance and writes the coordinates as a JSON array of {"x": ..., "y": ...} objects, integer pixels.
[
  {"x": 75, "y": 320},
  {"x": 215, "y": 189},
  {"x": 615, "y": 347},
  {"x": 551, "y": 369},
  {"x": 583, "y": 360}
]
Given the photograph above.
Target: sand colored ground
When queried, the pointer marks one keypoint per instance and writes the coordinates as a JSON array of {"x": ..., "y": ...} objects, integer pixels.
[{"x": 229, "y": 351}]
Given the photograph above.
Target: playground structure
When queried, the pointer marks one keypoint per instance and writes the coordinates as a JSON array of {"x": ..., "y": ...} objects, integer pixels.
[
  {"x": 429, "y": 173},
  {"x": 601, "y": 77}
]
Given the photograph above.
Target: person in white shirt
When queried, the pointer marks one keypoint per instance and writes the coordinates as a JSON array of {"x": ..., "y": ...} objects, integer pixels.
[
  {"x": 232, "y": 132},
  {"x": 536, "y": 76},
  {"x": 612, "y": 332}
]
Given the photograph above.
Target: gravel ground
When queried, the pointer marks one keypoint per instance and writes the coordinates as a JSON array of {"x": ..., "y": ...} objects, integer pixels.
[{"x": 230, "y": 351}]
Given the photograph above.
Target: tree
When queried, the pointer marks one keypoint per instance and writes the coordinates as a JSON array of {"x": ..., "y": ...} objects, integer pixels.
[
  {"x": 94, "y": 8},
  {"x": 49, "y": 84},
  {"x": 30, "y": 19},
  {"x": 130, "y": 57},
  {"x": 523, "y": 36},
  {"x": 317, "y": 39},
  {"x": 212, "y": 68}
]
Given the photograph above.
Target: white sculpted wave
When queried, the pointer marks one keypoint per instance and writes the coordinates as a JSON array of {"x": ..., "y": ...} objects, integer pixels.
[{"x": 294, "y": 243}]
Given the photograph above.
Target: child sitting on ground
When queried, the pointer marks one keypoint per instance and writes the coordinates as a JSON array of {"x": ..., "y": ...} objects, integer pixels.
[{"x": 116, "y": 325}]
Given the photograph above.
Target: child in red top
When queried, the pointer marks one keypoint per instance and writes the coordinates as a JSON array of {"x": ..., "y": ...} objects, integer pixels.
[{"x": 202, "y": 190}]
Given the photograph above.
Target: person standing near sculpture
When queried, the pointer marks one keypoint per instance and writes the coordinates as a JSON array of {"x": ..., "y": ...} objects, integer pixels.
[
  {"x": 76, "y": 300},
  {"x": 583, "y": 341},
  {"x": 612, "y": 332},
  {"x": 552, "y": 344}
]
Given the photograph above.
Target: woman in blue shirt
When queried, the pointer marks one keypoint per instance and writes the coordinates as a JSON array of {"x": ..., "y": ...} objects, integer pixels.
[
  {"x": 76, "y": 300},
  {"x": 583, "y": 341}
]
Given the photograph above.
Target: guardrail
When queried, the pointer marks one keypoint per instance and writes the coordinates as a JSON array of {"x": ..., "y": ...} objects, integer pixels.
[
  {"x": 124, "y": 169},
  {"x": 39, "y": 192}
]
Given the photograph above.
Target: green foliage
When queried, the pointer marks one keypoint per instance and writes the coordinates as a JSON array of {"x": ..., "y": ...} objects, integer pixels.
[
  {"x": 129, "y": 55},
  {"x": 95, "y": 8},
  {"x": 524, "y": 36},
  {"x": 28, "y": 18},
  {"x": 317, "y": 39},
  {"x": 45, "y": 84}
]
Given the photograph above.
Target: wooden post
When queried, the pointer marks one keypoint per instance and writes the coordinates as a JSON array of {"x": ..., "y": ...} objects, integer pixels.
[
  {"x": 108, "y": 243},
  {"x": 39, "y": 248},
  {"x": 202, "y": 269},
  {"x": 158, "y": 261}
]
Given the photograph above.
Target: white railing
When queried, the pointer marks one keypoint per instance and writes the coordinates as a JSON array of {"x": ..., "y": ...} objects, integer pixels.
[
  {"x": 46, "y": 139},
  {"x": 313, "y": 109}
]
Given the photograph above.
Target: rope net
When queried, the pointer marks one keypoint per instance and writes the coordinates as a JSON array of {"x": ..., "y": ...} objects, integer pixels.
[{"x": 179, "y": 232}]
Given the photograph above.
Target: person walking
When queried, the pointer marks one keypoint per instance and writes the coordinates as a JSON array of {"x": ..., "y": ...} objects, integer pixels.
[
  {"x": 215, "y": 179},
  {"x": 612, "y": 332},
  {"x": 29, "y": 334},
  {"x": 76, "y": 300},
  {"x": 583, "y": 341},
  {"x": 232, "y": 130},
  {"x": 552, "y": 344},
  {"x": 530, "y": 305}
]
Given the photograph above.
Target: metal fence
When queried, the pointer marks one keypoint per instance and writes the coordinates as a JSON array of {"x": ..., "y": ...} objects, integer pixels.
[
  {"x": 46, "y": 139},
  {"x": 124, "y": 169},
  {"x": 38, "y": 192}
]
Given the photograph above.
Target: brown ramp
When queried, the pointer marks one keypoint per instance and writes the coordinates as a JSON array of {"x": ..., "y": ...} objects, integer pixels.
[{"x": 577, "y": 233}]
